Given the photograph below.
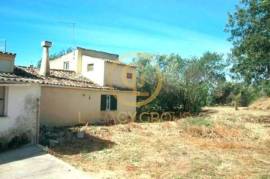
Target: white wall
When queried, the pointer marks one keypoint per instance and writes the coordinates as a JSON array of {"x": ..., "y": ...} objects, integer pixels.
[
  {"x": 59, "y": 62},
  {"x": 21, "y": 112},
  {"x": 97, "y": 75}
]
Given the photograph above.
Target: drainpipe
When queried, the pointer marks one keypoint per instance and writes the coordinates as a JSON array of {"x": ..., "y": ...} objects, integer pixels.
[{"x": 37, "y": 121}]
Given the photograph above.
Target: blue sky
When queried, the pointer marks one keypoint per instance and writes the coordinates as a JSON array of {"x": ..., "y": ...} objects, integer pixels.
[{"x": 186, "y": 27}]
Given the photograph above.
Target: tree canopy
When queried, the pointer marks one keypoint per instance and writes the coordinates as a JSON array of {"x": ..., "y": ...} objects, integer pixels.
[
  {"x": 249, "y": 28},
  {"x": 186, "y": 83}
]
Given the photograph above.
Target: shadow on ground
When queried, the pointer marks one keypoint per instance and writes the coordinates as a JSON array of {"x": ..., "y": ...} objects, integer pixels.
[
  {"x": 20, "y": 154},
  {"x": 88, "y": 144},
  {"x": 208, "y": 112}
]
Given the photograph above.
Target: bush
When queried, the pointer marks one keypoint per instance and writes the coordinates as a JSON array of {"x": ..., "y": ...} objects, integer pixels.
[
  {"x": 185, "y": 82},
  {"x": 264, "y": 88},
  {"x": 228, "y": 93}
]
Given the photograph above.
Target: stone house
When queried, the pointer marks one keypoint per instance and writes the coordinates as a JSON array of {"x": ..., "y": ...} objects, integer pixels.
[{"x": 83, "y": 86}]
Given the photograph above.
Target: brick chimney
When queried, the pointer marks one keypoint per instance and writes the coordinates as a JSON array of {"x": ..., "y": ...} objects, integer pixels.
[{"x": 45, "y": 65}]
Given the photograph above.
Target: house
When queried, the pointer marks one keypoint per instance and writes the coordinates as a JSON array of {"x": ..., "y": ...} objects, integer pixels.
[
  {"x": 18, "y": 101},
  {"x": 102, "y": 68},
  {"x": 111, "y": 94},
  {"x": 83, "y": 86}
]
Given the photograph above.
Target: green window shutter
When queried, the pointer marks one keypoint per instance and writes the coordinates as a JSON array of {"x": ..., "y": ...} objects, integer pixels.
[
  {"x": 113, "y": 102},
  {"x": 103, "y": 102}
]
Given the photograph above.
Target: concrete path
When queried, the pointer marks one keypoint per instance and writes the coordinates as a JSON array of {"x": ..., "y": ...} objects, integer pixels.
[{"x": 32, "y": 163}]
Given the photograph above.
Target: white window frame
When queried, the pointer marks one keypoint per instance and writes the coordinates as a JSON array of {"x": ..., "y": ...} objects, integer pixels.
[
  {"x": 66, "y": 65},
  {"x": 108, "y": 103}
]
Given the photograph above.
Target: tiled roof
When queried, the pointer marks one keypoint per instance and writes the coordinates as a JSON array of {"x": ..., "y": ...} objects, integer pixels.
[
  {"x": 56, "y": 78},
  {"x": 7, "y": 53}
]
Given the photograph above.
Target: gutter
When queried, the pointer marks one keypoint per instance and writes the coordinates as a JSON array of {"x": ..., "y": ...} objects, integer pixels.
[{"x": 89, "y": 89}]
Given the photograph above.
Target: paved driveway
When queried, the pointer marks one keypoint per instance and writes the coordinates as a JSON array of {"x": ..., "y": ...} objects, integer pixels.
[{"x": 32, "y": 163}]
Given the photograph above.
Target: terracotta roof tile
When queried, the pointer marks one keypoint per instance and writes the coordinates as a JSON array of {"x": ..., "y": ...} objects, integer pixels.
[{"x": 56, "y": 78}]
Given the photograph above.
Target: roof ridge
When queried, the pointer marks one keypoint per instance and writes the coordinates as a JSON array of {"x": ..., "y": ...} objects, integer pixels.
[{"x": 97, "y": 51}]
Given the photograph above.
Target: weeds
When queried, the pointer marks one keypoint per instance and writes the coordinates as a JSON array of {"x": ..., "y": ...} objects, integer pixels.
[
  {"x": 200, "y": 122},
  {"x": 200, "y": 147}
]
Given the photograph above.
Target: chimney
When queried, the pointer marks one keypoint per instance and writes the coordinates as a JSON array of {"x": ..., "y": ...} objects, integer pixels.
[
  {"x": 45, "y": 65},
  {"x": 7, "y": 62}
]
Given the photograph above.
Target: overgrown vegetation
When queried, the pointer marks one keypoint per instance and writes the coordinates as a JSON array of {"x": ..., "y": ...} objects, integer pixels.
[
  {"x": 220, "y": 143},
  {"x": 186, "y": 83}
]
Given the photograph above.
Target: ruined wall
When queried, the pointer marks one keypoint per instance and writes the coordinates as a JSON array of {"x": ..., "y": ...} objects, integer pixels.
[{"x": 21, "y": 106}]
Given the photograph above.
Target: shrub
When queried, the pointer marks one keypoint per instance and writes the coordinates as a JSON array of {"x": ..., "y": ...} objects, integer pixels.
[
  {"x": 185, "y": 82},
  {"x": 228, "y": 93},
  {"x": 200, "y": 122}
]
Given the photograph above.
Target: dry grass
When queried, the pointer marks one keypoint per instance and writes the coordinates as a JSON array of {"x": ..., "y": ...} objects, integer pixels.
[
  {"x": 221, "y": 143},
  {"x": 261, "y": 104}
]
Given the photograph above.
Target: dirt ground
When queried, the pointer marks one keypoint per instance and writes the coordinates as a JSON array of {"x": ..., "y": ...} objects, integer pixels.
[{"x": 219, "y": 143}]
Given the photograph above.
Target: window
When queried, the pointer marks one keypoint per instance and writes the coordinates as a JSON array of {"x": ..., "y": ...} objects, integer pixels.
[
  {"x": 129, "y": 75},
  {"x": 66, "y": 65},
  {"x": 108, "y": 103},
  {"x": 90, "y": 67},
  {"x": 2, "y": 100}
]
